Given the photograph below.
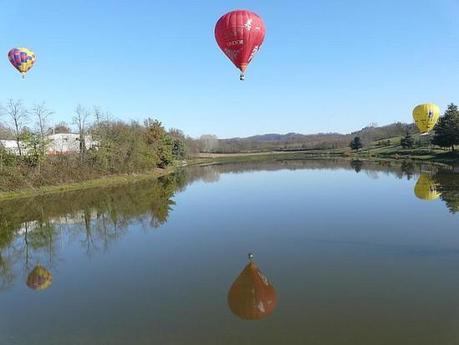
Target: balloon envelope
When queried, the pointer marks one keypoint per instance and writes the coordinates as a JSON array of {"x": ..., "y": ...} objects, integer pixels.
[
  {"x": 39, "y": 279},
  {"x": 426, "y": 116},
  {"x": 22, "y": 59},
  {"x": 426, "y": 188},
  {"x": 252, "y": 297},
  {"x": 239, "y": 35}
]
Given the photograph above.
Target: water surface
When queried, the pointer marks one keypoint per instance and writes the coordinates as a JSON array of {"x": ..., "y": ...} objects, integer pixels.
[{"x": 357, "y": 252}]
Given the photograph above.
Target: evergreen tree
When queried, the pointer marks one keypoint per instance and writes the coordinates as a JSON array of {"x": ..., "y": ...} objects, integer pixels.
[
  {"x": 356, "y": 144},
  {"x": 447, "y": 128},
  {"x": 407, "y": 141}
]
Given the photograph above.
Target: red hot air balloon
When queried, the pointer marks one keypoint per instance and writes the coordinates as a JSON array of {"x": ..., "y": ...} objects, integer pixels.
[{"x": 240, "y": 35}]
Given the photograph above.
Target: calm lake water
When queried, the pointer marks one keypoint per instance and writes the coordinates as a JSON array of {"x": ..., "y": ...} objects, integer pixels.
[{"x": 356, "y": 252}]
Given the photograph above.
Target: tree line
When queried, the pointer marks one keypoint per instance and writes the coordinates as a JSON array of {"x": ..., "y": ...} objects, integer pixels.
[
  {"x": 299, "y": 142},
  {"x": 119, "y": 147}
]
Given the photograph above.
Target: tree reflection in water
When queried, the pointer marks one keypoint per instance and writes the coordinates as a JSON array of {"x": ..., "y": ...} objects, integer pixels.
[
  {"x": 357, "y": 165},
  {"x": 447, "y": 182},
  {"x": 433, "y": 182},
  {"x": 31, "y": 229}
]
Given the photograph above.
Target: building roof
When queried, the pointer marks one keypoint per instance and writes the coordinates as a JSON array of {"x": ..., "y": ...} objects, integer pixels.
[{"x": 8, "y": 143}]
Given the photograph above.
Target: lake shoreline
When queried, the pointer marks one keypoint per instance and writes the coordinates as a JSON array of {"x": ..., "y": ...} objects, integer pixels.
[
  {"x": 105, "y": 181},
  {"x": 220, "y": 158},
  {"x": 204, "y": 160}
]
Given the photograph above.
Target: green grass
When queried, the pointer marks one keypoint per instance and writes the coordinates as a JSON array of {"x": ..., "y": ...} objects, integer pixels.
[
  {"x": 393, "y": 150},
  {"x": 423, "y": 152},
  {"x": 256, "y": 157},
  {"x": 99, "y": 182}
]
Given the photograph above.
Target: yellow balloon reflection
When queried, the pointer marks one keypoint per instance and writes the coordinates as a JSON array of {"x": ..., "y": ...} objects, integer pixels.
[
  {"x": 252, "y": 297},
  {"x": 39, "y": 279},
  {"x": 426, "y": 188}
]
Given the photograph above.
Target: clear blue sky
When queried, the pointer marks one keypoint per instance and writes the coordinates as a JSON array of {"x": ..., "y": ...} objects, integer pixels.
[{"x": 325, "y": 65}]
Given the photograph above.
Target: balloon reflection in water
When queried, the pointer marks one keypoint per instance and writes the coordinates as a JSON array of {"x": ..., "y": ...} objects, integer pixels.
[
  {"x": 426, "y": 188},
  {"x": 252, "y": 297},
  {"x": 39, "y": 279}
]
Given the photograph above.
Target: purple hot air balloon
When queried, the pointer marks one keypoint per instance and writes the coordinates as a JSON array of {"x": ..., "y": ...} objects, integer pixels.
[{"x": 22, "y": 59}]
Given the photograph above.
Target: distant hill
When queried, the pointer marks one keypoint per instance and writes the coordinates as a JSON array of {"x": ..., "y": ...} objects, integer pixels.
[
  {"x": 296, "y": 141},
  {"x": 283, "y": 137}
]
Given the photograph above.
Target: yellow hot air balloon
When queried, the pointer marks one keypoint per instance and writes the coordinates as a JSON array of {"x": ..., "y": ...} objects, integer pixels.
[
  {"x": 39, "y": 279},
  {"x": 426, "y": 116},
  {"x": 426, "y": 188}
]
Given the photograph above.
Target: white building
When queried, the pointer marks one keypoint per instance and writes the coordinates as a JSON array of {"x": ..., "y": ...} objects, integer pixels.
[
  {"x": 12, "y": 147},
  {"x": 61, "y": 143}
]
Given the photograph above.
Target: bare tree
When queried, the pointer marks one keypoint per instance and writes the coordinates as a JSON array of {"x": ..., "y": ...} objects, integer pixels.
[
  {"x": 80, "y": 119},
  {"x": 61, "y": 127},
  {"x": 18, "y": 117},
  {"x": 208, "y": 142},
  {"x": 101, "y": 116},
  {"x": 98, "y": 115},
  {"x": 41, "y": 114}
]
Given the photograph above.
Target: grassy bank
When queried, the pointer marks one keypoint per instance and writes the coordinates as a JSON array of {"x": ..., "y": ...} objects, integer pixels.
[
  {"x": 322, "y": 154},
  {"x": 105, "y": 181},
  {"x": 373, "y": 152},
  {"x": 393, "y": 150},
  {"x": 210, "y": 158},
  {"x": 385, "y": 149}
]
